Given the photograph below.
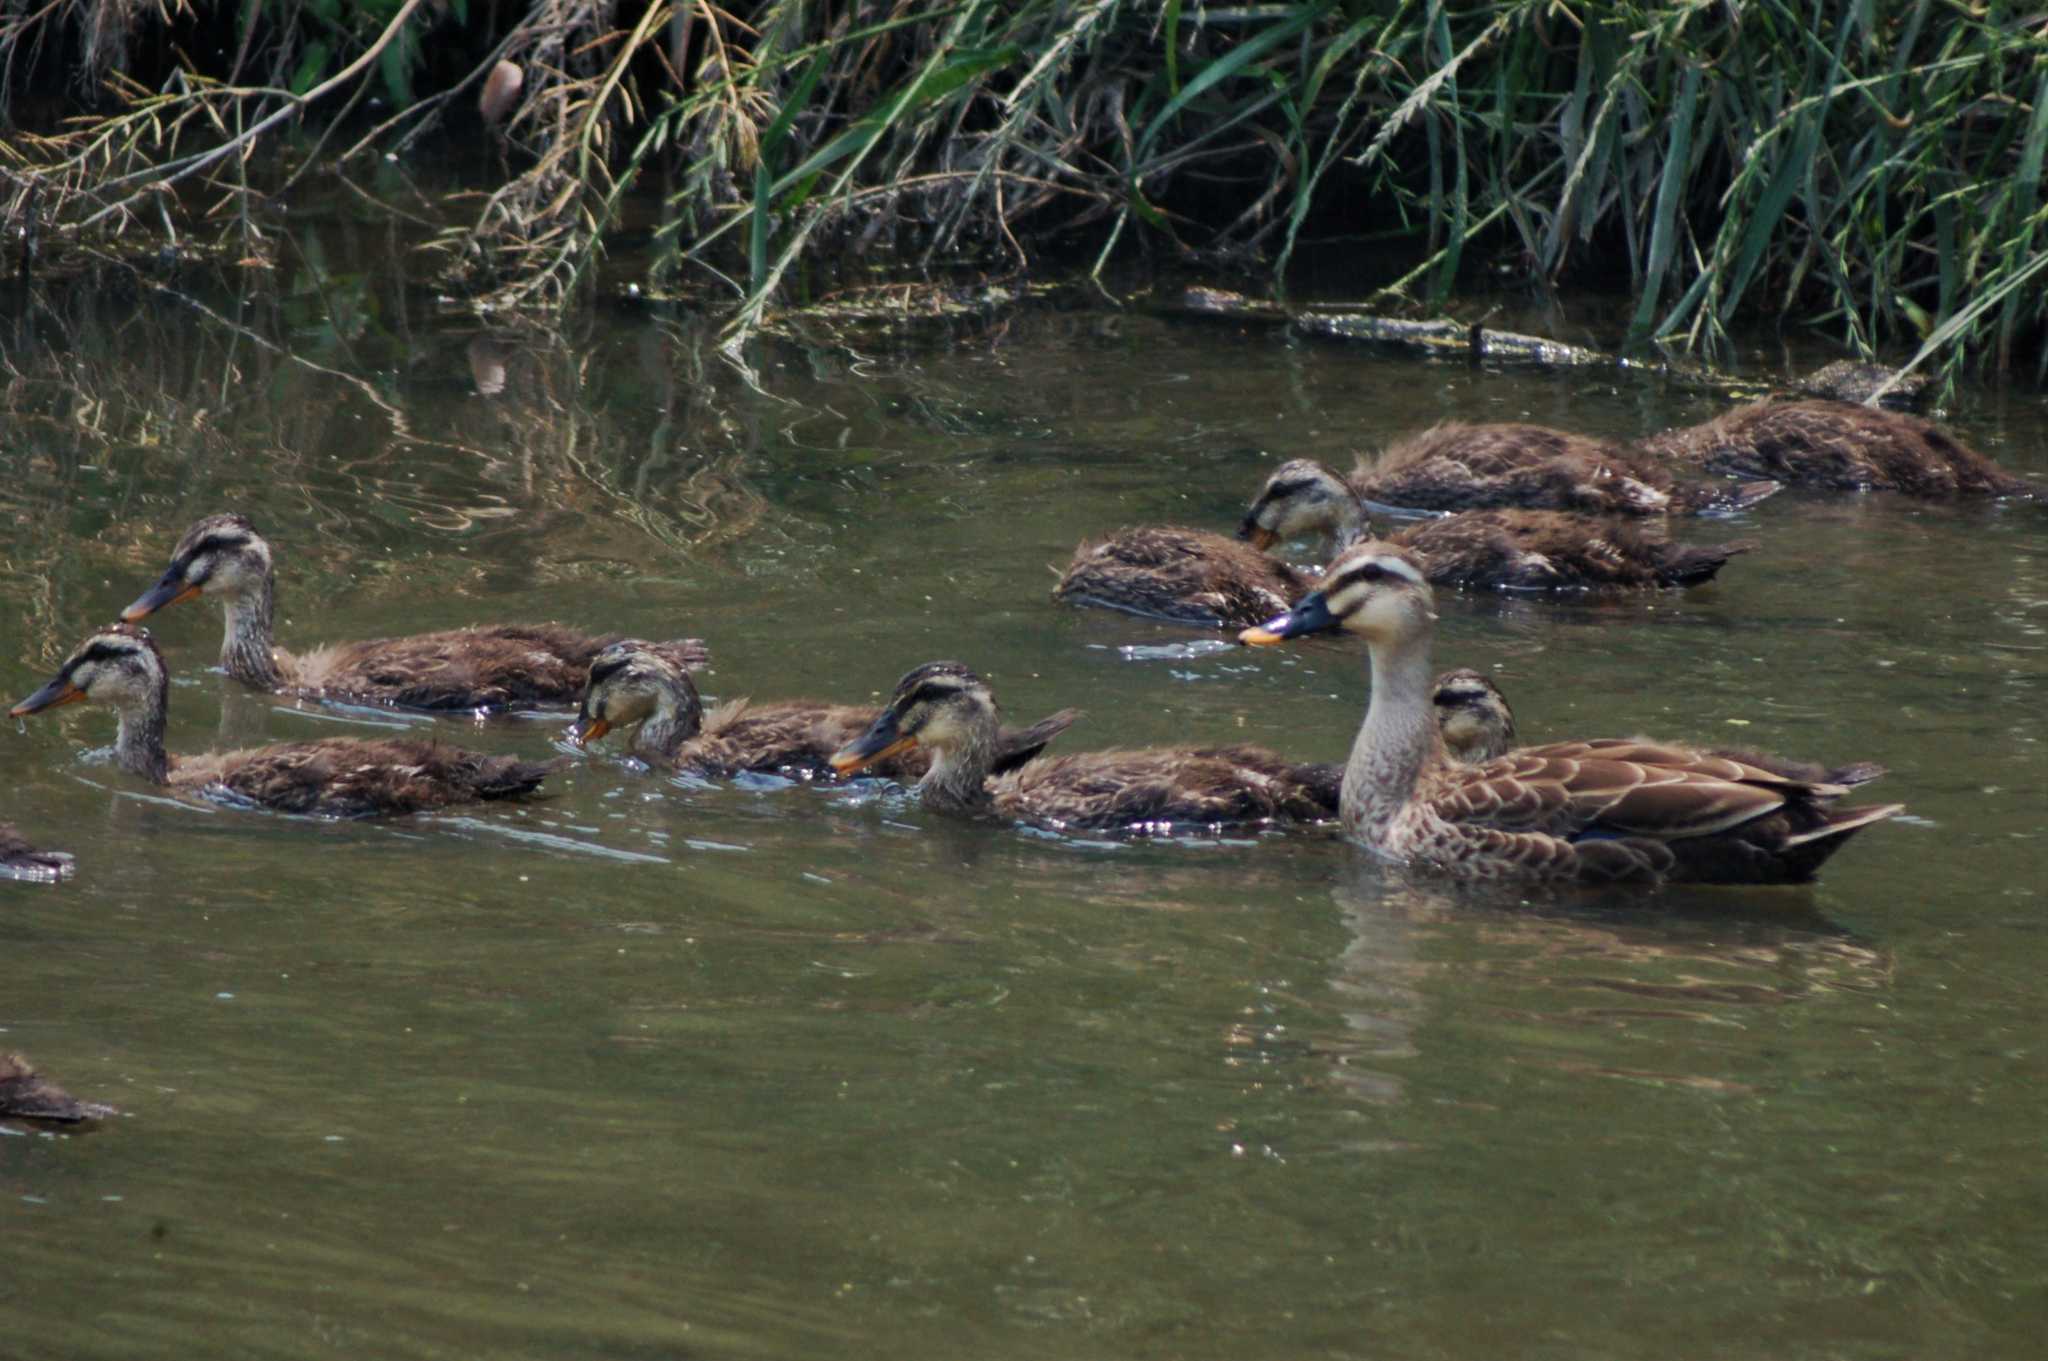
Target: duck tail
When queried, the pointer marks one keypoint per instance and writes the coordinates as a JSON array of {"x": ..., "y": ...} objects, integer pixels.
[
  {"x": 1020, "y": 746},
  {"x": 1683, "y": 564},
  {"x": 1803, "y": 853},
  {"x": 1721, "y": 498},
  {"x": 690, "y": 654}
]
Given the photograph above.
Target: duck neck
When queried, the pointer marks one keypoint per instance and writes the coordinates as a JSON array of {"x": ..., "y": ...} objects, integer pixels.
[
  {"x": 139, "y": 744},
  {"x": 248, "y": 650},
  {"x": 1348, "y": 523},
  {"x": 677, "y": 718},
  {"x": 1397, "y": 744},
  {"x": 958, "y": 779}
]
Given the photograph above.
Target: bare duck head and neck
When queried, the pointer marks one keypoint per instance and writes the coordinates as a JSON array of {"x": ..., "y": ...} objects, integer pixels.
[
  {"x": 633, "y": 686},
  {"x": 121, "y": 668},
  {"x": 948, "y": 710},
  {"x": 1378, "y": 592},
  {"x": 1304, "y": 498},
  {"x": 223, "y": 557}
]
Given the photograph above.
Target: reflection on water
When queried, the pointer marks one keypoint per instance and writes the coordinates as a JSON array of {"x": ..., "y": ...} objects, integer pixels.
[{"x": 659, "y": 1066}]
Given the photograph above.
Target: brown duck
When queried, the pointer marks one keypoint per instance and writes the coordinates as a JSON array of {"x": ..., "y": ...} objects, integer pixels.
[
  {"x": 1480, "y": 467},
  {"x": 1189, "y": 576},
  {"x": 1488, "y": 550},
  {"x": 1837, "y": 447},
  {"x": 492, "y": 667},
  {"x": 19, "y": 860},
  {"x": 337, "y": 777},
  {"x": 26, "y": 1094},
  {"x": 1611, "y": 809},
  {"x": 635, "y": 686},
  {"x": 945, "y": 709}
]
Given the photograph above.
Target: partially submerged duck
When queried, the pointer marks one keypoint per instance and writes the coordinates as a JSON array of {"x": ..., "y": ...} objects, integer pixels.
[
  {"x": 336, "y": 777},
  {"x": 1837, "y": 447},
  {"x": 26, "y": 1094},
  {"x": 1478, "y": 726},
  {"x": 1480, "y": 467},
  {"x": 945, "y": 709},
  {"x": 493, "y": 667},
  {"x": 1189, "y": 576},
  {"x": 635, "y": 686},
  {"x": 1858, "y": 380},
  {"x": 1611, "y": 809},
  {"x": 1497, "y": 550},
  {"x": 19, "y": 860}
]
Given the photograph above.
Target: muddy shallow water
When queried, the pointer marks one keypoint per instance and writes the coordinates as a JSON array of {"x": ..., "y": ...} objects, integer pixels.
[{"x": 664, "y": 1069}]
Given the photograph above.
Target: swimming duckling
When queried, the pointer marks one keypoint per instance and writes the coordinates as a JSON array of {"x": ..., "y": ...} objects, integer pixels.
[
  {"x": 945, "y": 709},
  {"x": 1479, "y": 467},
  {"x": 19, "y": 860},
  {"x": 633, "y": 684},
  {"x": 336, "y": 777},
  {"x": 1499, "y": 550},
  {"x": 26, "y": 1094},
  {"x": 1838, "y": 447},
  {"x": 1597, "y": 810},
  {"x": 497, "y": 667},
  {"x": 1189, "y": 576},
  {"x": 1478, "y": 726}
]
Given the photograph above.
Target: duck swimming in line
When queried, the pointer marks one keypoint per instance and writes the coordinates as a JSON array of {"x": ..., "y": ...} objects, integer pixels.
[
  {"x": 636, "y": 686},
  {"x": 1189, "y": 576},
  {"x": 1495, "y": 550},
  {"x": 335, "y": 777},
  {"x": 946, "y": 709},
  {"x": 491, "y": 667},
  {"x": 1481, "y": 467},
  {"x": 1611, "y": 809},
  {"x": 1837, "y": 447}
]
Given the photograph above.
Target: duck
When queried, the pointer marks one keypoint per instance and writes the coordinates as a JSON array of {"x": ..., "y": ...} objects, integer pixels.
[
  {"x": 1458, "y": 466},
  {"x": 1488, "y": 550},
  {"x": 945, "y": 709},
  {"x": 19, "y": 860},
  {"x": 490, "y": 668},
  {"x": 1188, "y": 576},
  {"x": 1607, "y": 810},
  {"x": 26, "y": 1094},
  {"x": 335, "y": 777},
  {"x": 1837, "y": 446},
  {"x": 638, "y": 686},
  {"x": 1858, "y": 380},
  {"x": 1479, "y": 726}
]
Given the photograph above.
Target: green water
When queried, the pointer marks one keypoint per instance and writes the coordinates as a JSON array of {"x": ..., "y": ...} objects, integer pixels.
[{"x": 647, "y": 1070}]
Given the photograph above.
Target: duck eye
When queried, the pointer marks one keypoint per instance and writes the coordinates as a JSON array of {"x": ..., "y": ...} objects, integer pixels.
[{"x": 1371, "y": 571}]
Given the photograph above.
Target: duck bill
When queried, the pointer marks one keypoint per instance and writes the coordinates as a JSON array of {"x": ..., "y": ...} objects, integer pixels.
[
  {"x": 878, "y": 743},
  {"x": 55, "y": 695},
  {"x": 1312, "y": 615},
  {"x": 586, "y": 729},
  {"x": 170, "y": 591},
  {"x": 1256, "y": 534}
]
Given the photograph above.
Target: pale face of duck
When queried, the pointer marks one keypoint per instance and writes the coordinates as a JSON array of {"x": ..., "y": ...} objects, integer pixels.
[
  {"x": 220, "y": 556},
  {"x": 1302, "y": 497},
  {"x": 118, "y": 667},
  {"x": 1373, "y": 590},
  {"x": 940, "y": 705},
  {"x": 628, "y": 685},
  {"x": 1473, "y": 715}
]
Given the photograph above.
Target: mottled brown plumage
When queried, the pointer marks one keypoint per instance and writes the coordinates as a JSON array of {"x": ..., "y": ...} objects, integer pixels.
[
  {"x": 1187, "y": 575},
  {"x": 26, "y": 1094},
  {"x": 1492, "y": 550},
  {"x": 337, "y": 777},
  {"x": 19, "y": 860},
  {"x": 1612, "y": 809},
  {"x": 1837, "y": 447},
  {"x": 946, "y": 709},
  {"x": 1477, "y": 467},
  {"x": 490, "y": 667},
  {"x": 1854, "y": 380},
  {"x": 634, "y": 686}
]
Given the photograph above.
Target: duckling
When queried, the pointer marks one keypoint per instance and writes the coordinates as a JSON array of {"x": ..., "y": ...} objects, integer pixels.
[
  {"x": 1478, "y": 467},
  {"x": 1837, "y": 447},
  {"x": 1499, "y": 550},
  {"x": 1189, "y": 576},
  {"x": 947, "y": 710},
  {"x": 632, "y": 683},
  {"x": 500, "y": 667},
  {"x": 335, "y": 777},
  {"x": 26, "y": 1094},
  {"x": 19, "y": 860},
  {"x": 1478, "y": 726},
  {"x": 1612, "y": 809}
]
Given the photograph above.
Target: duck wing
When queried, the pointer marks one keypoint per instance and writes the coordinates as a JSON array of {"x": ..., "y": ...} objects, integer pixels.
[{"x": 499, "y": 666}]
